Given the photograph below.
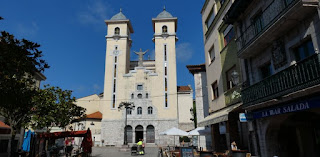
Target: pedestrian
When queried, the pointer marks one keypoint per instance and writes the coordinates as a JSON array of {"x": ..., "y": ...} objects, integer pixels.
[{"x": 140, "y": 147}]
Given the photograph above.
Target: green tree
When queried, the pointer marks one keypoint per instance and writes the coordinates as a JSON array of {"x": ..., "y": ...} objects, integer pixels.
[
  {"x": 55, "y": 107},
  {"x": 20, "y": 60}
]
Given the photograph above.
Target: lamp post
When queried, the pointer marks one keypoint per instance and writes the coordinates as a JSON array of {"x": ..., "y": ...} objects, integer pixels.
[{"x": 126, "y": 106}]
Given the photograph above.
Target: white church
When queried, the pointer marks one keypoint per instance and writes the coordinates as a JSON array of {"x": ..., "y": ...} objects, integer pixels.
[{"x": 148, "y": 85}]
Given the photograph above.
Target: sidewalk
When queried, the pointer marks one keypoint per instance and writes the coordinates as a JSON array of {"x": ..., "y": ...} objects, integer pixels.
[{"x": 114, "y": 152}]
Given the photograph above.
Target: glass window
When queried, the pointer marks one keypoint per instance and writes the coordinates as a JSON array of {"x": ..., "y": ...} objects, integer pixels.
[
  {"x": 215, "y": 91},
  {"x": 210, "y": 18},
  {"x": 150, "y": 110},
  {"x": 229, "y": 80},
  {"x": 228, "y": 35},
  {"x": 139, "y": 96},
  {"x": 304, "y": 50},
  {"x": 139, "y": 87},
  {"x": 129, "y": 111},
  {"x": 132, "y": 96},
  {"x": 258, "y": 23},
  {"x": 164, "y": 29},
  {"x": 117, "y": 31},
  {"x": 147, "y": 95},
  {"x": 165, "y": 52},
  {"x": 114, "y": 101},
  {"x": 211, "y": 54},
  {"x": 266, "y": 70},
  {"x": 139, "y": 110},
  {"x": 166, "y": 99}
]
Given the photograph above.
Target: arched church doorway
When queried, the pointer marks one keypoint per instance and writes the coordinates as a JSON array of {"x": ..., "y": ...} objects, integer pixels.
[
  {"x": 139, "y": 133},
  {"x": 129, "y": 134},
  {"x": 298, "y": 136},
  {"x": 150, "y": 134}
]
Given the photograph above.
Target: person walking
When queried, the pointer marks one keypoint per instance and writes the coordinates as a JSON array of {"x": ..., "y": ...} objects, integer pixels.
[{"x": 140, "y": 145}]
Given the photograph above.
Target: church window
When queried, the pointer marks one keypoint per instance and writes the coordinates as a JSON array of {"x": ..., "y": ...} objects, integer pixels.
[
  {"x": 139, "y": 110},
  {"x": 114, "y": 85},
  {"x": 114, "y": 101},
  {"x": 150, "y": 110},
  {"x": 132, "y": 96},
  {"x": 165, "y": 71},
  {"x": 139, "y": 87},
  {"x": 129, "y": 111},
  {"x": 165, "y": 52},
  {"x": 164, "y": 29},
  {"x": 147, "y": 95},
  {"x": 115, "y": 71},
  {"x": 117, "y": 31},
  {"x": 166, "y": 100},
  {"x": 139, "y": 96},
  {"x": 115, "y": 59},
  {"x": 165, "y": 83}
]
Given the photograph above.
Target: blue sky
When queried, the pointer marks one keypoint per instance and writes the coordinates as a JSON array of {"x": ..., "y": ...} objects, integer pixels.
[{"x": 72, "y": 35}]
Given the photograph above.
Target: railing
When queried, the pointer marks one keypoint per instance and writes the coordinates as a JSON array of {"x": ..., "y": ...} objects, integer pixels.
[
  {"x": 268, "y": 16},
  {"x": 232, "y": 96},
  {"x": 301, "y": 75}
]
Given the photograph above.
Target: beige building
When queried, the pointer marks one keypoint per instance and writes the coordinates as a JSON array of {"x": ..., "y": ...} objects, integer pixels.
[{"x": 150, "y": 85}]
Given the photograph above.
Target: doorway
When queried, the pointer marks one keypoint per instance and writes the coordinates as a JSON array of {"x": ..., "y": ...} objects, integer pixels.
[{"x": 139, "y": 133}]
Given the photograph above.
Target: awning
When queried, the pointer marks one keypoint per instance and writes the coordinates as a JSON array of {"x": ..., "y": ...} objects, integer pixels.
[{"x": 219, "y": 116}]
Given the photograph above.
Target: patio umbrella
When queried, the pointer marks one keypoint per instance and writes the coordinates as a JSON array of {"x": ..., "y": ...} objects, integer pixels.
[
  {"x": 200, "y": 131},
  {"x": 174, "y": 132}
]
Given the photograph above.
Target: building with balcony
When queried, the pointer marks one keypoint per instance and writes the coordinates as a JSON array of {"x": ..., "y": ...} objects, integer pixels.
[
  {"x": 278, "y": 41},
  {"x": 221, "y": 61}
]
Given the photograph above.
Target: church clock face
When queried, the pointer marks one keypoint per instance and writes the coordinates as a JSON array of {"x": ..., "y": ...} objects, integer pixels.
[{"x": 116, "y": 52}]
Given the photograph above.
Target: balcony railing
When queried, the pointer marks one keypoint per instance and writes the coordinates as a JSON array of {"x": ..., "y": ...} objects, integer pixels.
[
  {"x": 301, "y": 75},
  {"x": 233, "y": 95},
  {"x": 267, "y": 17}
]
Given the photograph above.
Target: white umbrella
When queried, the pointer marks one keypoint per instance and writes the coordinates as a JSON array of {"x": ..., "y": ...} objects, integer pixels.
[
  {"x": 200, "y": 131},
  {"x": 174, "y": 132}
]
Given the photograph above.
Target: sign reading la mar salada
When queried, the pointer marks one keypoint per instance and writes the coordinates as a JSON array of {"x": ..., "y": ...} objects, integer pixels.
[{"x": 293, "y": 107}]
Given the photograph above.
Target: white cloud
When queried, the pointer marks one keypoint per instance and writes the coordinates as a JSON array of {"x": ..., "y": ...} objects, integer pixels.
[
  {"x": 184, "y": 52},
  {"x": 28, "y": 30},
  {"x": 96, "y": 12}
]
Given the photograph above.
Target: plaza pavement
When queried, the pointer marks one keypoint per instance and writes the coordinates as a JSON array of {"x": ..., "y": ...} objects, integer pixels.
[{"x": 114, "y": 152}]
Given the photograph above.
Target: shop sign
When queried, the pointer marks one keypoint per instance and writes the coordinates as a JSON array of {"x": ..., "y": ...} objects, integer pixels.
[
  {"x": 242, "y": 117},
  {"x": 293, "y": 107}
]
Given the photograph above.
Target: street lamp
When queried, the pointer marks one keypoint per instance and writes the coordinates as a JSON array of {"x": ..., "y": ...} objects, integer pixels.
[
  {"x": 235, "y": 77},
  {"x": 126, "y": 105}
]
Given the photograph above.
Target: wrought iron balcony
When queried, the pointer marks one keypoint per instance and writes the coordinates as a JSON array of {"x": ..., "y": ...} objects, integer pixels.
[
  {"x": 270, "y": 24},
  {"x": 301, "y": 75},
  {"x": 232, "y": 96}
]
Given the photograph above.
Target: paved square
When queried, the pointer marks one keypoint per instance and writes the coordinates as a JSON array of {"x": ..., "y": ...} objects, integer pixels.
[{"x": 114, "y": 152}]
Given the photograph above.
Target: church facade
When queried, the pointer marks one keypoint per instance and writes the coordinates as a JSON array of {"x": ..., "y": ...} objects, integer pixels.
[{"x": 150, "y": 85}]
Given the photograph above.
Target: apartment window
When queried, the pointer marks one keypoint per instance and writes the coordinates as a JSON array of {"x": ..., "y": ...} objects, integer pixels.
[
  {"x": 117, "y": 31},
  {"x": 132, "y": 96},
  {"x": 228, "y": 78},
  {"x": 228, "y": 35},
  {"x": 211, "y": 54},
  {"x": 266, "y": 70},
  {"x": 211, "y": 17},
  {"x": 129, "y": 111},
  {"x": 139, "y": 87},
  {"x": 150, "y": 110},
  {"x": 147, "y": 95},
  {"x": 304, "y": 50},
  {"x": 215, "y": 91},
  {"x": 258, "y": 22},
  {"x": 139, "y": 110},
  {"x": 164, "y": 29}
]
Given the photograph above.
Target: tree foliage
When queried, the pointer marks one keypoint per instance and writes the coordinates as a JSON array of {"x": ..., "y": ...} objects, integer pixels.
[
  {"x": 55, "y": 107},
  {"x": 20, "y": 60}
]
